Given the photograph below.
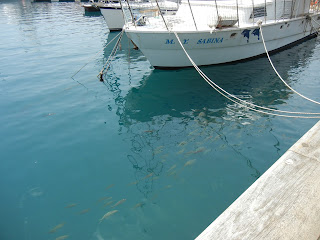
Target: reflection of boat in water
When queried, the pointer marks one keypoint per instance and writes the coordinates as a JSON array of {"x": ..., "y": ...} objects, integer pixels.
[
  {"x": 115, "y": 16},
  {"x": 178, "y": 98},
  {"x": 223, "y": 31}
]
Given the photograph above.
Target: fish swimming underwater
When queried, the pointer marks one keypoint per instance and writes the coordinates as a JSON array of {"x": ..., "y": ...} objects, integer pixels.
[
  {"x": 198, "y": 150},
  {"x": 62, "y": 237},
  {"x": 119, "y": 202},
  {"x": 71, "y": 205},
  {"x": 110, "y": 186},
  {"x": 173, "y": 167},
  {"x": 139, "y": 205},
  {"x": 134, "y": 183},
  {"x": 182, "y": 143},
  {"x": 190, "y": 162},
  {"x": 107, "y": 203},
  {"x": 181, "y": 151},
  {"x": 149, "y": 175},
  {"x": 104, "y": 199},
  {"x": 53, "y": 230},
  {"x": 155, "y": 177},
  {"x": 172, "y": 173},
  {"x": 108, "y": 214},
  {"x": 84, "y": 211},
  {"x": 158, "y": 150}
]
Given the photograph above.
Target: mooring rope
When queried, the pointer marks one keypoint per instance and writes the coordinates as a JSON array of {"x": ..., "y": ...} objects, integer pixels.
[
  {"x": 275, "y": 70},
  {"x": 111, "y": 56},
  {"x": 316, "y": 29},
  {"x": 95, "y": 55},
  {"x": 241, "y": 102},
  {"x": 315, "y": 22}
]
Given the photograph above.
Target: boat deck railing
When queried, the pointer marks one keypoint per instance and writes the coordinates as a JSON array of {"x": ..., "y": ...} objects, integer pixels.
[{"x": 204, "y": 15}]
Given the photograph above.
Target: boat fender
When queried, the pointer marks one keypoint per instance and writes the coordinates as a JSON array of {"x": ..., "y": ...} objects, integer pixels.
[{"x": 101, "y": 76}]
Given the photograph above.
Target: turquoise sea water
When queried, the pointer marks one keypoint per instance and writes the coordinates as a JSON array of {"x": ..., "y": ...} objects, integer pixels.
[{"x": 173, "y": 151}]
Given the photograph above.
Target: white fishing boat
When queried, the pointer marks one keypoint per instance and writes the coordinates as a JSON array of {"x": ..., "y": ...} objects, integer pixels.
[
  {"x": 115, "y": 16},
  {"x": 223, "y": 31}
]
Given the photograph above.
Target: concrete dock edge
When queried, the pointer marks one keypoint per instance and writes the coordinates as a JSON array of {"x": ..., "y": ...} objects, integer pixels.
[{"x": 284, "y": 203}]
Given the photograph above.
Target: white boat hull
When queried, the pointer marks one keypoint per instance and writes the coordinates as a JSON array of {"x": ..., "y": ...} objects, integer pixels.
[
  {"x": 163, "y": 50},
  {"x": 114, "y": 17}
]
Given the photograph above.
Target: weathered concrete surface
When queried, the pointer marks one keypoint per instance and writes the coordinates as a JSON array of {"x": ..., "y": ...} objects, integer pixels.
[{"x": 284, "y": 203}]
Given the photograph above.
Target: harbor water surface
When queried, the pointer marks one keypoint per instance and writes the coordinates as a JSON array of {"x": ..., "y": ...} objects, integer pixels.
[{"x": 160, "y": 150}]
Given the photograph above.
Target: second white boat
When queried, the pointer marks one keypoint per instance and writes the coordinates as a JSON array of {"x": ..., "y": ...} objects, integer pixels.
[{"x": 116, "y": 13}]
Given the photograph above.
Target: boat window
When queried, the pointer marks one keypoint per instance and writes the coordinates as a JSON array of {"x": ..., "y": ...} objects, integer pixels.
[
  {"x": 233, "y": 35},
  {"x": 258, "y": 12},
  {"x": 281, "y": 26}
]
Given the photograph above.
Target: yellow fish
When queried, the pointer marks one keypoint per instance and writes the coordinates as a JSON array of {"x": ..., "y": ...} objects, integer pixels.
[
  {"x": 71, "y": 205},
  {"x": 53, "y": 230},
  {"x": 108, "y": 214},
  {"x": 62, "y": 237},
  {"x": 108, "y": 203},
  {"x": 134, "y": 183},
  {"x": 149, "y": 175},
  {"x": 138, "y": 205},
  {"x": 158, "y": 150},
  {"x": 200, "y": 149},
  {"x": 155, "y": 177},
  {"x": 119, "y": 202},
  {"x": 216, "y": 138},
  {"x": 181, "y": 151},
  {"x": 104, "y": 198},
  {"x": 182, "y": 143},
  {"x": 173, "y": 167},
  {"x": 193, "y": 132},
  {"x": 208, "y": 138},
  {"x": 190, "y": 162},
  {"x": 84, "y": 211},
  {"x": 172, "y": 173},
  {"x": 110, "y": 186}
]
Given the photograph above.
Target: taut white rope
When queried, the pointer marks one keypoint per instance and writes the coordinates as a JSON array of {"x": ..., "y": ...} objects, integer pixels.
[
  {"x": 112, "y": 54},
  {"x": 275, "y": 70},
  {"x": 241, "y": 102},
  {"x": 315, "y": 21}
]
